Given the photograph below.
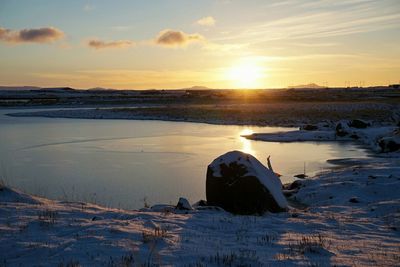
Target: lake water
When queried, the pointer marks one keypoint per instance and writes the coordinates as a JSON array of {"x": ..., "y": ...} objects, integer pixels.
[{"x": 120, "y": 163}]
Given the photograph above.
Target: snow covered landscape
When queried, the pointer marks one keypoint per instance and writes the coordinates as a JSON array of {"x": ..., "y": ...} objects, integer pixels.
[{"x": 348, "y": 215}]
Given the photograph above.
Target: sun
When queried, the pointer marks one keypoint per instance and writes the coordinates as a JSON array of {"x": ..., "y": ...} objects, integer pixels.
[{"x": 246, "y": 75}]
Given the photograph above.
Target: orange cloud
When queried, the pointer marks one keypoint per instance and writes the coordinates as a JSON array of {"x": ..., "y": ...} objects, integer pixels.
[
  {"x": 177, "y": 38},
  {"x": 40, "y": 35},
  {"x": 99, "y": 44}
]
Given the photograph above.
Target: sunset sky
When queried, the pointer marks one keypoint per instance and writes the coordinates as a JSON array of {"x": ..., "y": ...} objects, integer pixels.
[{"x": 214, "y": 43}]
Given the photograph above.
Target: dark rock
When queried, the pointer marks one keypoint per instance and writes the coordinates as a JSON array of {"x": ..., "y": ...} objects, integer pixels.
[
  {"x": 239, "y": 183},
  {"x": 354, "y": 200},
  {"x": 359, "y": 124},
  {"x": 201, "y": 203},
  {"x": 341, "y": 129},
  {"x": 310, "y": 127},
  {"x": 354, "y": 136},
  {"x": 295, "y": 185},
  {"x": 301, "y": 176},
  {"x": 389, "y": 144},
  {"x": 183, "y": 204}
]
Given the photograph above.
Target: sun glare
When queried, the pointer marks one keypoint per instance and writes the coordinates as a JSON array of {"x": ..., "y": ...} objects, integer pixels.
[
  {"x": 246, "y": 75},
  {"x": 246, "y": 143}
]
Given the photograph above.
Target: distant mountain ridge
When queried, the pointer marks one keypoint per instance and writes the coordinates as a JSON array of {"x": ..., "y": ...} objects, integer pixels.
[{"x": 307, "y": 86}]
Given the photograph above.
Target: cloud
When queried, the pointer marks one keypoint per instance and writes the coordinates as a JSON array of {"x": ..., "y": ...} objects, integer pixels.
[
  {"x": 177, "y": 38},
  {"x": 99, "y": 44},
  {"x": 318, "y": 19},
  {"x": 206, "y": 21},
  {"x": 40, "y": 35}
]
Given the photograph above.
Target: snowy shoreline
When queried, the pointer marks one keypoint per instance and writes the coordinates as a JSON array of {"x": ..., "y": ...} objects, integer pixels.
[
  {"x": 352, "y": 218},
  {"x": 347, "y": 215}
]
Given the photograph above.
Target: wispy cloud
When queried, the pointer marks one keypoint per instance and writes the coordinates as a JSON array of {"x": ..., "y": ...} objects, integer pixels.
[
  {"x": 40, "y": 35},
  {"x": 99, "y": 44},
  {"x": 206, "y": 21},
  {"x": 173, "y": 38},
  {"x": 334, "y": 18}
]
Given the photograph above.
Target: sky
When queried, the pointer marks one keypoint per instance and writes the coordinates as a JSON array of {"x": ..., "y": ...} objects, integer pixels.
[{"x": 168, "y": 44}]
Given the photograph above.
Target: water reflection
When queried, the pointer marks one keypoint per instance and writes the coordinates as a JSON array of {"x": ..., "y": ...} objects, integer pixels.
[
  {"x": 246, "y": 143},
  {"x": 122, "y": 161}
]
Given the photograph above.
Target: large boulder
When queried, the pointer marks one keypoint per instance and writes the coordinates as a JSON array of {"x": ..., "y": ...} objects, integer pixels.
[{"x": 239, "y": 183}]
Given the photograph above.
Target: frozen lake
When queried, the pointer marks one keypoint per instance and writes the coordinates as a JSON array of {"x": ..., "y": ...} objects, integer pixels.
[{"x": 120, "y": 163}]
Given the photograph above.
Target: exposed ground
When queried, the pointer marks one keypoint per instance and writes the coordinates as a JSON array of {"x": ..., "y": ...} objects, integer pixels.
[{"x": 272, "y": 114}]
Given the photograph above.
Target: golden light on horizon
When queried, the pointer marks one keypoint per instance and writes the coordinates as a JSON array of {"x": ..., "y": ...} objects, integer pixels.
[{"x": 246, "y": 74}]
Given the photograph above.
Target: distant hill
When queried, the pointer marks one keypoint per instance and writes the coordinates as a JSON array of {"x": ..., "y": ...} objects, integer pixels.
[
  {"x": 307, "y": 86},
  {"x": 197, "y": 88},
  {"x": 58, "y": 89},
  {"x": 19, "y": 88},
  {"x": 101, "y": 89}
]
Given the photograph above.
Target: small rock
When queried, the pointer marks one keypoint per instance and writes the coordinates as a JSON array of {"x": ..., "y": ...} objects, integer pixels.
[
  {"x": 301, "y": 176},
  {"x": 309, "y": 127},
  {"x": 354, "y": 200},
  {"x": 295, "y": 185},
  {"x": 201, "y": 203},
  {"x": 359, "y": 124},
  {"x": 341, "y": 129},
  {"x": 183, "y": 204},
  {"x": 354, "y": 136}
]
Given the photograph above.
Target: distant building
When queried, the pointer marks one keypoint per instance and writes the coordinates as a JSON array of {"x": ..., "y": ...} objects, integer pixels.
[{"x": 396, "y": 86}]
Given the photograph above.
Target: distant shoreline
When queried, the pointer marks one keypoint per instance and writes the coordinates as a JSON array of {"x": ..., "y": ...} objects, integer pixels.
[{"x": 271, "y": 114}]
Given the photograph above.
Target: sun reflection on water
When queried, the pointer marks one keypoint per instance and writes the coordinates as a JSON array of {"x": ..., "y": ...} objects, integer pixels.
[{"x": 246, "y": 143}]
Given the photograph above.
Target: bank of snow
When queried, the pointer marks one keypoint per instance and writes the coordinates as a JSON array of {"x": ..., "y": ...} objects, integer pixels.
[
  {"x": 370, "y": 137},
  {"x": 352, "y": 218}
]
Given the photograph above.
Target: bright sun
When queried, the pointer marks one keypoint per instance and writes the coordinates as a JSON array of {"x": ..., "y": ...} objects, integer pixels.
[{"x": 246, "y": 75}]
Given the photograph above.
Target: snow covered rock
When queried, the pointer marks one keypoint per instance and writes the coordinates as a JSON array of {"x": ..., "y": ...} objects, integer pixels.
[
  {"x": 183, "y": 204},
  {"x": 348, "y": 128},
  {"x": 240, "y": 184}
]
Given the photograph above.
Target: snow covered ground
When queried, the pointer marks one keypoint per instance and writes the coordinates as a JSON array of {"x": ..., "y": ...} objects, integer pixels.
[
  {"x": 349, "y": 215},
  {"x": 369, "y": 136}
]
